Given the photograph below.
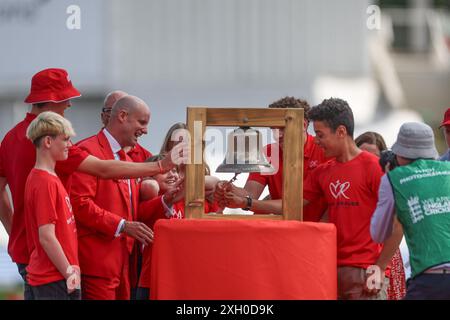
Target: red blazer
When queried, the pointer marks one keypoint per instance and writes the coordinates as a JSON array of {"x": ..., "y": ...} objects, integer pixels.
[{"x": 99, "y": 205}]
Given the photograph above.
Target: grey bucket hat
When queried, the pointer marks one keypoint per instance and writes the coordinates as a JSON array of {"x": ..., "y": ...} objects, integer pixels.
[{"x": 415, "y": 140}]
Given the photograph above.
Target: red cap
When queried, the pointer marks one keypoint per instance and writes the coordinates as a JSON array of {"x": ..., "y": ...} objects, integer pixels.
[
  {"x": 446, "y": 120},
  {"x": 51, "y": 85}
]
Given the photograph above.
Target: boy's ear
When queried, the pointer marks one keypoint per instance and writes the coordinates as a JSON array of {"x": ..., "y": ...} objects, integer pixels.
[
  {"x": 305, "y": 124},
  {"x": 341, "y": 131}
]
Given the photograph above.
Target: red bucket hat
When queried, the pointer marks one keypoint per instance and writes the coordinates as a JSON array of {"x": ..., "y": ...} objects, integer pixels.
[
  {"x": 51, "y": 85},
  {"x": 446, "y": 120}
]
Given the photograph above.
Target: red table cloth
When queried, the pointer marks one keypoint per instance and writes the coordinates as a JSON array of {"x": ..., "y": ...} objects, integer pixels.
[{"x": 242, "y": 259}]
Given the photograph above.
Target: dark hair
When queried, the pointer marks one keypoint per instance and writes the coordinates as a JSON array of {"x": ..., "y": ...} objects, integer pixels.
[
  {"x": 371, "y": 137},
  {"x": 334, "y": 112},
  {"x": 291, "y": 102}
]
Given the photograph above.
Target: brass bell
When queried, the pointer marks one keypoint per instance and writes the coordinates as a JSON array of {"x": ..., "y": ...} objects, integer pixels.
[{"x": 245, "y": 153}]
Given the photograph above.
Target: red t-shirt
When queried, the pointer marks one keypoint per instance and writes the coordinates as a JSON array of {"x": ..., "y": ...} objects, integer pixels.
[
  {"x": 17, "y": 158},
  {"x": 139, "y": 153},
  {"x": 351, "y": 191},
  {"x": 46, "y": 201},
  {"x": 313, "y": 156}
]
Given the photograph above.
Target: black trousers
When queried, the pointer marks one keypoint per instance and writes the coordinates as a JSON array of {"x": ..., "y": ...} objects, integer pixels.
[
  {"x": 27, "y": 292},
  {"x": 134, "y": 286},
  {"x": 428, "y": 287},
  {"x": 55, "y": 291},
  {"x": 142, "y": 293}
]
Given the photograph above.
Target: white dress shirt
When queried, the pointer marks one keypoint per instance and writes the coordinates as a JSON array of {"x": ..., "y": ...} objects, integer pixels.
[{"x": 115, "y": 147}]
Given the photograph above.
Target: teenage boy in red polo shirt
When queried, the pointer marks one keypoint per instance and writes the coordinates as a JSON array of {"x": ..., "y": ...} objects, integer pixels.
[
  {"x": 313, "y": 156},
  {"x": 349, "y": 184},
  {"x": 52, "y": 90},
  {"x": 53, "y": 269}
]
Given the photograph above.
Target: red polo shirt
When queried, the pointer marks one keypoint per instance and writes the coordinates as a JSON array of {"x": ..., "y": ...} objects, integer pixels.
[
  {"x": 313, "y": 155},
  {"x": 17, "y": 158}
]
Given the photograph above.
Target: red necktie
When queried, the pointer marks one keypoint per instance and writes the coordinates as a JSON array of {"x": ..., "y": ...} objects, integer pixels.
[{"x": 122, "y": 155}]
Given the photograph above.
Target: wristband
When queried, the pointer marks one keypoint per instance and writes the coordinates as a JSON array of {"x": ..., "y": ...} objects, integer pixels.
[{"x": 249, "y": 203}]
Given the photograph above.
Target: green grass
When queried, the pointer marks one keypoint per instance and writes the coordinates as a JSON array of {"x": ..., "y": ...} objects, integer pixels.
[{"x": 11, "y": 293}]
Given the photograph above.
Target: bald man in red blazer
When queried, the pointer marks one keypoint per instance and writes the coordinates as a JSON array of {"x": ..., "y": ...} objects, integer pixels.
[
  {"x": 138, "y": 154},
  {"x": 106, "y": 210}
]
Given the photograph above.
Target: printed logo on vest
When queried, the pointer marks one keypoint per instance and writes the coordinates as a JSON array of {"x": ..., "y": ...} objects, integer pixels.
[
  {"x": 428, "y": 207},
  {"x": 415, "y": 209}
]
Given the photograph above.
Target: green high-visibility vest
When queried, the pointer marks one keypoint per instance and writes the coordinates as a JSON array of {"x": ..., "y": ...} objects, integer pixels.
[{"x": 422, "y": 203}]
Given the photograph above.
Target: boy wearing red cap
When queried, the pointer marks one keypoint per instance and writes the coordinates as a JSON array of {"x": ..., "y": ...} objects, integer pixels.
[
  {"x": 53, "y": 269},
  {"x": 445, "y": 125},
  {"x": 52, "y": 90}
]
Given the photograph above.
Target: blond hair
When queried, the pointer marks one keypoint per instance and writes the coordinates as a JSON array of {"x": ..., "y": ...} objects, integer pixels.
[{"x": 49, "y": 124}]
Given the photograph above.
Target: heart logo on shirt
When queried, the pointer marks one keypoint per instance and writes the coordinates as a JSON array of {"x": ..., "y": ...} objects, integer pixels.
[{"x": 337, "y": 189}]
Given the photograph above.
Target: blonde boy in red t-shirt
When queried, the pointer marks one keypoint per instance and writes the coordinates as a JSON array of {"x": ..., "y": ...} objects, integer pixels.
[{"x": 53, "y": 271}]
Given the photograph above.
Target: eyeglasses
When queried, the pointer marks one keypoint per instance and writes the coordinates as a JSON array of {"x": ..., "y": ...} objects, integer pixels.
[{"x": 106, "y": 110}]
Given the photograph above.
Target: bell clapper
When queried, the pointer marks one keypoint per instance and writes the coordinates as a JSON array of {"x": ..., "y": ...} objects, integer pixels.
[{"x": 234, "y": 178}]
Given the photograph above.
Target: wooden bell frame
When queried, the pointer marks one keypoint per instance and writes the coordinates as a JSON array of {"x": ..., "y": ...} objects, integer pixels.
[{"x": 291, "y": 119}]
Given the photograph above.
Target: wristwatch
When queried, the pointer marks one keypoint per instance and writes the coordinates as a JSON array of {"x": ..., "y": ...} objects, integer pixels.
[{"x": 249, "y": 203}]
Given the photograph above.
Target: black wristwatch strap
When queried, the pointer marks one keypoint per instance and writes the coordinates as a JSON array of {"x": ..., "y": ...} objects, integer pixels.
[{"x": 249, "y": 203}]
